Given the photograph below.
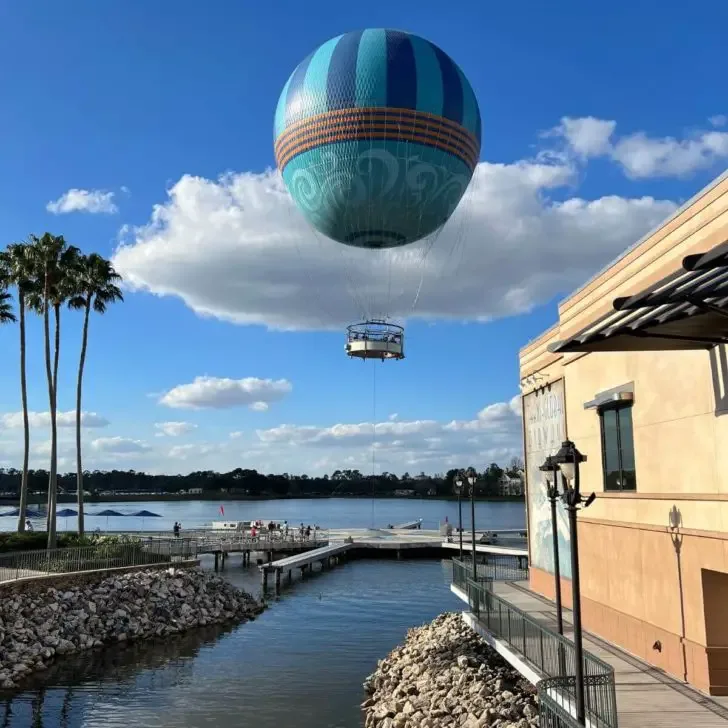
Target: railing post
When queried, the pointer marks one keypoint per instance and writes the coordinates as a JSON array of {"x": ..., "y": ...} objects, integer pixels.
[
  {"x": 524, "y": 623},
  {"x": 540, "y": 634}
]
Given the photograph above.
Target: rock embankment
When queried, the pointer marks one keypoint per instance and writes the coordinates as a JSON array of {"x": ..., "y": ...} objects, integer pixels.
[
  {"x": 445, "y": 675},
  {"x": 36, "y": 627}
]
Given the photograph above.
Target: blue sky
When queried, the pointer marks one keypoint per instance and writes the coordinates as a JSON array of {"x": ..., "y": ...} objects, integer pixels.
[{"x": 594, "y": 128}]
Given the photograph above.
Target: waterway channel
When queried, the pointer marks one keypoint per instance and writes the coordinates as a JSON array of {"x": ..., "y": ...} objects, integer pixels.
[{"x": 300, "y": 665}]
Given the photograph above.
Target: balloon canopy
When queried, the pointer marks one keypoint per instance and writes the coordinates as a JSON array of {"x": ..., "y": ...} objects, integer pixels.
[{"x": 377, "y": 134}]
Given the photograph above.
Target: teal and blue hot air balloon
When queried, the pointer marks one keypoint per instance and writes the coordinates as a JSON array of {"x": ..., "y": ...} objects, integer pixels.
[{"x": 377, "y": 135}]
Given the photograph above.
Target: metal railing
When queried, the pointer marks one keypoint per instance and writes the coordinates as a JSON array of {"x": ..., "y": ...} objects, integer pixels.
[
  {"x": 279, "y": 542},
  {"x": 551, "y": 653},
  {"x": 496, "y": 567},
  {"x": 557, "y": 701},
  {"x": 28, "y": 564}
]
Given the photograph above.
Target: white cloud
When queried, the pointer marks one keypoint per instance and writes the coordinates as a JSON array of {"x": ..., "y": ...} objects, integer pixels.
[
  {"x": 173, "y": 429},
  {"x": 234, "y": 248},
  {"x": 494, "y": 434},
  {"x": 91, "y": 201},
  {"x": 195, "y": 450},
  {"x": 217, "y": 393},
  {"x": 718, "y": 120},
  {"x": 12, "y": 420},
  {"x": 587, "y": 136},
  {"x": 119, "y": 446},
  {"x": 640, "y": 155}
]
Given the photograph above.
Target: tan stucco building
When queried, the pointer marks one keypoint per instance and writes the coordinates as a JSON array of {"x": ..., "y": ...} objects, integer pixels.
[{"x": 641, "y": 386}]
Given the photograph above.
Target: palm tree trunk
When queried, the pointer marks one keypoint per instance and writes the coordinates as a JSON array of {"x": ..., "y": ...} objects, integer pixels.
[
  {"x": 54, "y": 427},
  {"x": 23, "y": 507},
  {"x": 79, "y": 389},
  {"x": 51, "y": 517}
]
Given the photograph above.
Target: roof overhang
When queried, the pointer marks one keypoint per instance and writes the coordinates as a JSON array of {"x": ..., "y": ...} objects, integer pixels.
[{"x": 686, "y": 310}]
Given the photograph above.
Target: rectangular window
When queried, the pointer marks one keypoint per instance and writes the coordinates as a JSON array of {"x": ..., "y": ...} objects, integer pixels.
[{"x": 618, "y": 448}]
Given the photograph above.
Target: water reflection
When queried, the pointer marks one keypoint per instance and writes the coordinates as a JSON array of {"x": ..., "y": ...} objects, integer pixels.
[
  {"x": 52, "y": 697},
  {"x": 300, "y": 664}
]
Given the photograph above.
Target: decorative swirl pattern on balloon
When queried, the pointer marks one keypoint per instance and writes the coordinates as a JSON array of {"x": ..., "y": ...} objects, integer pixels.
[
  {"x": 305, "y": 190},
  {"x": 366, "y": 166}
]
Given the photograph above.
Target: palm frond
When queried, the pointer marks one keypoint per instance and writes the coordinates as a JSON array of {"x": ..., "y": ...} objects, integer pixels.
[{"x": 6, "y": 308}]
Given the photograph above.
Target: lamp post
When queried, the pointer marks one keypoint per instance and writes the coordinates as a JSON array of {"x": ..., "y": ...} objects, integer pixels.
[
  {"x": 472, "y": 477},
  {"x": 550, "y": 471},
  {"x": 458, "y": 488},
  {"x": 568, "y": 458}
]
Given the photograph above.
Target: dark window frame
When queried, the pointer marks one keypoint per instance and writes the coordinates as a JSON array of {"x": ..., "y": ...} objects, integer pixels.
[{"x": 617, "y": 408}]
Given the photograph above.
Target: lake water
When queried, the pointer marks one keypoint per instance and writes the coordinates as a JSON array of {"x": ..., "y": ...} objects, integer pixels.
[
  {"x": 301, "y": 664},
  {"x": 326, "y": 512}
]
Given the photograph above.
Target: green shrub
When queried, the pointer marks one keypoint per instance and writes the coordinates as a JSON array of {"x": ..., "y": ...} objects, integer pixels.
[{"x": 32, "y": 541}]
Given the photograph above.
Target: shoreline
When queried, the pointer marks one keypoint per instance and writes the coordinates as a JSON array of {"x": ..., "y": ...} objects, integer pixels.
[{"x": 39, "y": 623}]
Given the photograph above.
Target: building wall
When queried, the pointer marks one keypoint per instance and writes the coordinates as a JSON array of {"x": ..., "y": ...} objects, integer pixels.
[{"x": 657, "y": 590}]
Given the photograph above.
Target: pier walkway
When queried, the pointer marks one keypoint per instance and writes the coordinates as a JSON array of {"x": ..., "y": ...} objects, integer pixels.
[
  {"x": 646, "y": 696},
  {"x": 304, "y": 561},
  {"x": 521, "y": 552}
]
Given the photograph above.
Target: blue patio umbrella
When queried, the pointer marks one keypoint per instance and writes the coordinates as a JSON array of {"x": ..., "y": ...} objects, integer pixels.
[
  {"x": 145, "y": 514},
  {"x": 29, "y": 513},
  {"x": 65, "y": 514},
  {"x": 107, "y": 513}
]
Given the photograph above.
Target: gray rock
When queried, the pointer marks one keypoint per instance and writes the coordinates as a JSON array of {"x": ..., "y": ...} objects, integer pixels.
[
  {"x": 134, "y": 606},
  {"x": 446, "y": 676}
]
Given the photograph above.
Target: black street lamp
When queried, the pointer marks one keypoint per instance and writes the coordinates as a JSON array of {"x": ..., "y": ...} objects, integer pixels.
[
  {"x": 457, "y": 485},
  {"x": 550, "y": 471},
  {"x": 568, "y": 458},
  {"x": 472, "y": 477}
]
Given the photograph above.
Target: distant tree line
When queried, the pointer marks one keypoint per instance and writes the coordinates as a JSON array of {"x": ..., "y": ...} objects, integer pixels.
[{"x": 246, "y": 482}]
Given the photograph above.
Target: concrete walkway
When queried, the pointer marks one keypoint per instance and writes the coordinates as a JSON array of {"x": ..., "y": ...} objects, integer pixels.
[{"x": 646, "y": 697}]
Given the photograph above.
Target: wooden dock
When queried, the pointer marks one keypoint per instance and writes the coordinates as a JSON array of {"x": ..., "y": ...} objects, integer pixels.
[
  {"x": 326, "y": 555},
  {"x": 221, "y": 546},
  {"x": 277, "y": 554}
]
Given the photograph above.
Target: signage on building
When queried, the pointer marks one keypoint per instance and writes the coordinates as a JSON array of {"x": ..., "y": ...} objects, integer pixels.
[{"x": 544, "y": 413}]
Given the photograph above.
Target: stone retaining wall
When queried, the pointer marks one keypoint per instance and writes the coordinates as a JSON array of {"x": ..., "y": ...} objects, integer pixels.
[
  {"x": 66, "y": 580},
  {"x": 39, "y": 623}
]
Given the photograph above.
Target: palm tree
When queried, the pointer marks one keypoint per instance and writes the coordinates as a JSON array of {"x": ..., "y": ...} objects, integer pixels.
[
  {"x": 96, "y": 286},
  {"x": 16, "y": 270},
  {"x": 54, "y": 265},
  {"x": 6, "y": 308}
]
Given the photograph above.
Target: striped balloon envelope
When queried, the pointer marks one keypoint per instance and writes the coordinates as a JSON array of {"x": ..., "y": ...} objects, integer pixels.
[{"x": 377, "y": 135}]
